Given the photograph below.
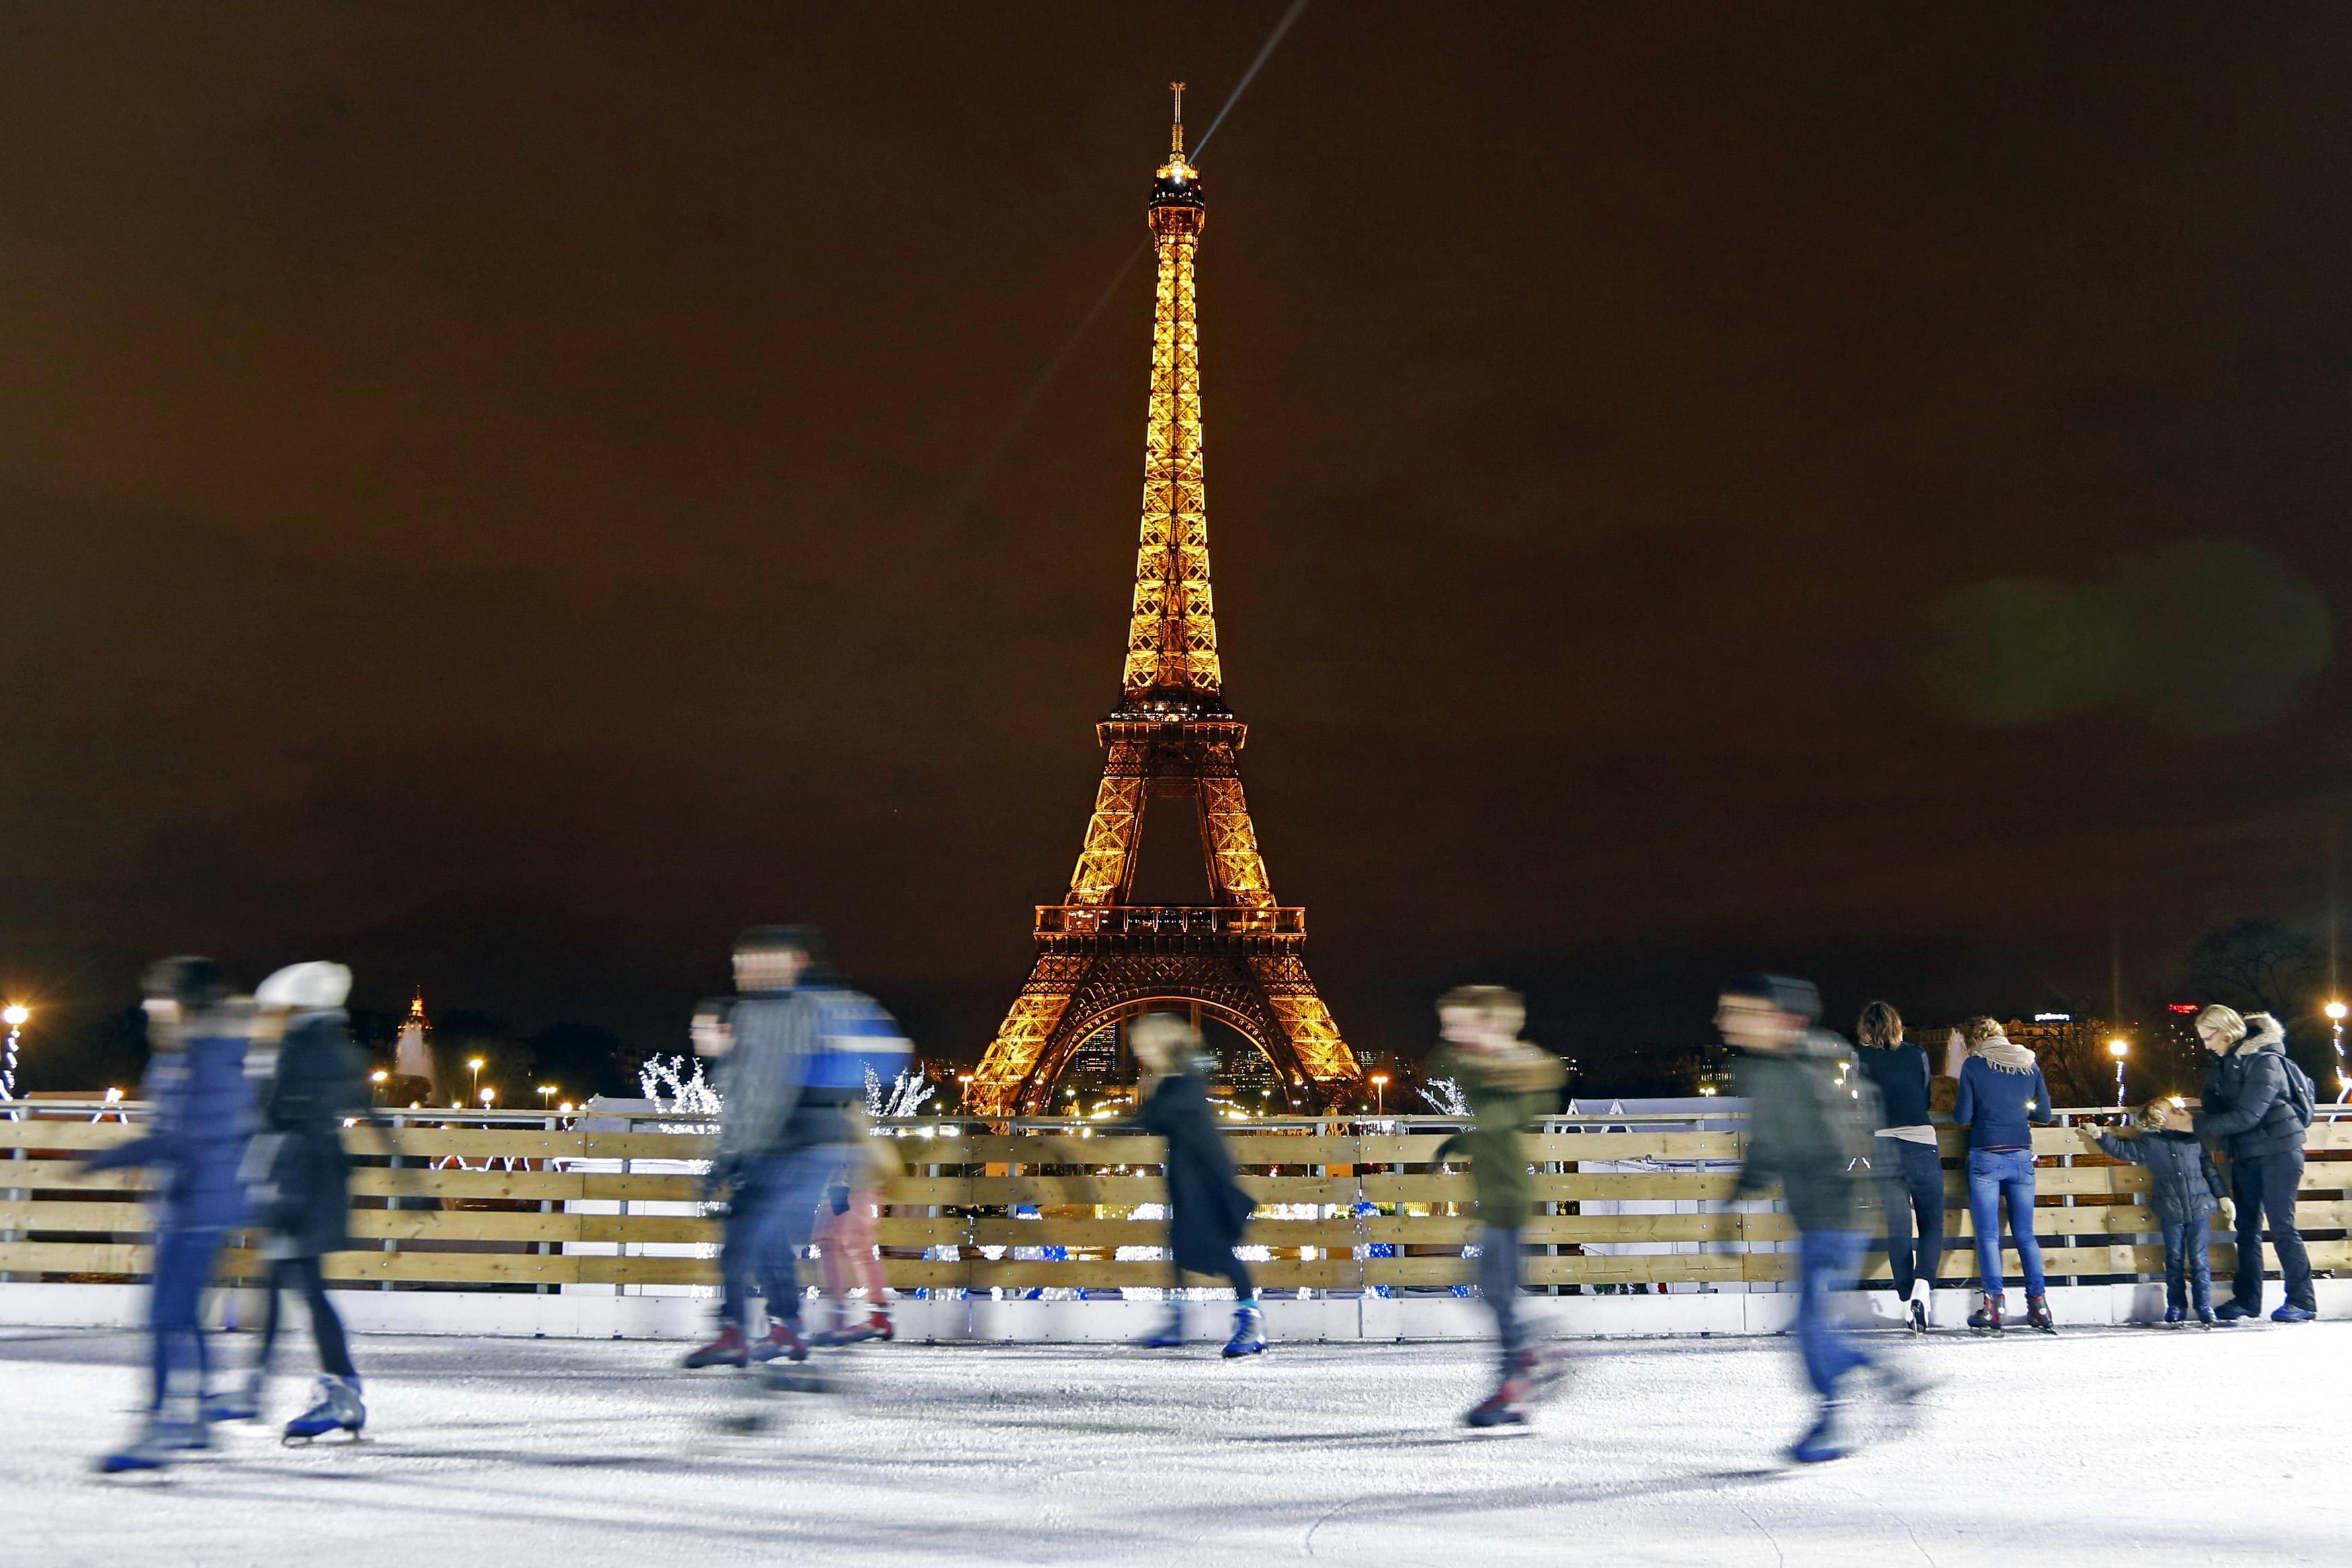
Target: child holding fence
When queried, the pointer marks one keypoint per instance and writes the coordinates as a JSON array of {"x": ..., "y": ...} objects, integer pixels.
[{"x": 2185, "y": 1191}]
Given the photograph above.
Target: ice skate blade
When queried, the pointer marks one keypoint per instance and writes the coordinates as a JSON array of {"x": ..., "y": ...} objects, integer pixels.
[{"x": 341, "y": 1437}]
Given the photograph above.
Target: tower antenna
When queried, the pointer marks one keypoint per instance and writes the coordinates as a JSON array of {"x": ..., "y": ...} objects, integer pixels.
[{"x": 1176, "y": 131}]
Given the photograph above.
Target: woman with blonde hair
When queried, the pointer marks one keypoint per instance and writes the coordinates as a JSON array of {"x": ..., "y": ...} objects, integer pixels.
[
  {"x": 2003, "y": 1092},
  {"x": 1207, "y": 1209},
  {"x": 2256, "y": 1105},
  {"x": 1903, "y": 1159}
]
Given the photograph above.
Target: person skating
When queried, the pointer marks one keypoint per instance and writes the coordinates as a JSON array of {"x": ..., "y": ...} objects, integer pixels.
[
  {"x": 845, "y": 1242},
  {"x": 2256, "y": 1106},
  {"x": 2185, "y": 1190},
  {"x": 792, "y": 1060},
  {"x": 1207, "y": 1209},
  {"x": 1905, "y": 1160},
  {"x": 1510, "y": 1085},
  {"x": 197, "y": 1082},
  {"x": 2002, "y": 1096},
  {"x": 1809, "y": 1135}
]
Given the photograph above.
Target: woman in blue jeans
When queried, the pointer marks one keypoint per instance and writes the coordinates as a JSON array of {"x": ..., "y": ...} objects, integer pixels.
[{"x": 2002, "y": 1094}]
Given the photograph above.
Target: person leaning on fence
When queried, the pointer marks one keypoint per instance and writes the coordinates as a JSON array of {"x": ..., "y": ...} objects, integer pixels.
[
  {"x": 1207, "y": 1209},
  {"x": 794, "y": 1052},
  {"x": 1509, "y": 1086},
  {"x": 2257, "y": 1105},
  {"x": 2185, "y": 1188},
  {"x": 1809, "y": 1133},
  {"x": 1905, "y": 1163},
  {"x": 2002, "y": 1094},
  {"x": 197, "y": 1081}
]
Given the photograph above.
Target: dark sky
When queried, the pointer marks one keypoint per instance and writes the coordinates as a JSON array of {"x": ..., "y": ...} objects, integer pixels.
[{"x": 506, "y": 495}]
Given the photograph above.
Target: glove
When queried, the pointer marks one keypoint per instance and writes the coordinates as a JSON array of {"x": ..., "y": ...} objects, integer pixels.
[{"x": 2229, "y": 1214}]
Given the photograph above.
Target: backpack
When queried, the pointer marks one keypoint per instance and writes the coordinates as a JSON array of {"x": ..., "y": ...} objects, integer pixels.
[{"x": 2302, "y": 1094}]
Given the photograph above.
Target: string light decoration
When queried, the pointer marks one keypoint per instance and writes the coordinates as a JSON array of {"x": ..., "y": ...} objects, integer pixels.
[{"x": 15, "y": 1015}]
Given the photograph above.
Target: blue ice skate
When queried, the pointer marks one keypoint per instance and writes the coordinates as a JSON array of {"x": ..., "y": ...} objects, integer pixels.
[
  {"x": 159, "y": 1445},
  {"x": 1249, "y": 1333},
  {"x": 337, "y": 1408},
  {"x": 1169, "y": 1334},
  {"x": 243, "y": 1404},
  {"x": 1826, "y": 1441}
]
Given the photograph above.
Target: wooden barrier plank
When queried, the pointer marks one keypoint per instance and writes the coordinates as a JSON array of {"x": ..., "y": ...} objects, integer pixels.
[
  {"x": 607, "y": 1187},
  {"x": 465, "y": 1224},
  {"x": 1059, "y": 1232},
  {"x": 1012, "y": 1274},
  {"x": 455, "y": 1267},
  {"x": 73, "y": 1257},
  {"x": 537, "y": 1186},
  {"x": 647, "y": 1145},
  {"x": 69, "y": 1173},
  {"x": 89, "y": 1217},
  {"x": 36, "y": 1133},
  {"x": 469, "y": 1143}
]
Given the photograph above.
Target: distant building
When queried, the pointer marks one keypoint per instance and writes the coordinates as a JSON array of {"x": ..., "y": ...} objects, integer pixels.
[{"x": 412, "y": 1053}]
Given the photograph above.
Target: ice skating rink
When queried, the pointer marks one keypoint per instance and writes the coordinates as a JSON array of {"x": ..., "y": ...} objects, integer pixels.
[{"x": 2102, "y": 1445}]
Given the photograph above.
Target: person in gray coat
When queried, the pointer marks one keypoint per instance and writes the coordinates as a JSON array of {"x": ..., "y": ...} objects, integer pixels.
[{"x": 2185, "y": 1191}]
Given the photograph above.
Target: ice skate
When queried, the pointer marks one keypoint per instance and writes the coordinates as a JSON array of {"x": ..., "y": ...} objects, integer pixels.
[
  {"x": 1168, "y": 1334},
  {"x": 161, "y": 1443},
  {"x": 875, "y": 1326},
  {"x": 1249, "y": 1333},
  {"x": 2233, "y": 1310},
  {"x": 2291, "y": 1314},
  {"x": 1827, "y": 1440},
  {"x": 727, "y": 1349},
  {"x": 1545, "y": 1371},
  {"x": 337, "y": 1408},
  {"x": 240, "y": 1404},
  {"x": 782, "y": 1342},
  {"x": 1507, "y": 1406},
  {"x": 2175, "y": 1316},
  {"x": 2037, "y": 1313},
  {"x": 1921, "y": 1295},
  {"x": 1986, "y": 1319}
]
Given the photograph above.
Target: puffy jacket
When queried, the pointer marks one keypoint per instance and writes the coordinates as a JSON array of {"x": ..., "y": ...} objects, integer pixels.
[
  {"x": 1507, "y": 1091},
  {"x": 303, "y": 1192},
  {"x": 799, "y": 1066},
  {"x": 2247, "y": 1110},
  {"x": 204, "y": 1116},
  {"x": 1207, "y": 1208},
  {"x": 1807, "y": 1132},
  {"x": 2184, "y": 1185}
]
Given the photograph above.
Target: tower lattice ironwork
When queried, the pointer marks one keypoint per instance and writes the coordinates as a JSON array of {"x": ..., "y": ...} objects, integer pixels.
[{"x": 1101, "y": 958}]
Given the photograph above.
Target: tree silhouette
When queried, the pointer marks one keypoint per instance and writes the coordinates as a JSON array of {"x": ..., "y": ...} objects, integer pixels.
[{"x": 2255, "y": 965}]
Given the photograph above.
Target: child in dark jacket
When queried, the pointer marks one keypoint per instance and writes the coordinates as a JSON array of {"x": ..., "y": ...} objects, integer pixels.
[{"x": 2185, "y": 1191}]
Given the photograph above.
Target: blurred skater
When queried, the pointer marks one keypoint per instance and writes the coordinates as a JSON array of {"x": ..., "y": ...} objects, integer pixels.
[
  {"x": 2185, "y": 1189},
  {"x": 302, "y": 1186},
  {"x": 845, "y": 1249},
  {"x": 1905, "y": 1161},
  {"x": 1207, "y": 1209},
  {"x": 792, "y": 1058},
  {"x": 1510, "y": 1085},
  {"x": 1809, "y": 1135},
  {"x": 197, "y": 1083},
  {"x": 2257, "y": 1105},
  {"x": 2001, "y": 1091}
]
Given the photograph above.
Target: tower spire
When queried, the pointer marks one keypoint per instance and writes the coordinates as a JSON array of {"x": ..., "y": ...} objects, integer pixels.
[{"x": 1176, "y": 131}]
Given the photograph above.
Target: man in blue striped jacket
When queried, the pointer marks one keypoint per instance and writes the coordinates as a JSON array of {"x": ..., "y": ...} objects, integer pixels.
[{"x": 792, "y": 1083}]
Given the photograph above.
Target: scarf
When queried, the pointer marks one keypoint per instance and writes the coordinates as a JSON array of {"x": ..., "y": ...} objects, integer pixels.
[{"x": 2004, "y": 1055}]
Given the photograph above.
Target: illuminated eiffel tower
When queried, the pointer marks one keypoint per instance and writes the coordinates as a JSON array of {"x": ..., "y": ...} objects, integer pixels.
[{"x": 1100, "y": 957}]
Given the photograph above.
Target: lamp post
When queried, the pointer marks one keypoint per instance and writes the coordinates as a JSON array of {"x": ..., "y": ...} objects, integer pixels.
[
  {"x": 2335, "y": 1011},
  {"x": 2119, "y": 1048},
  {"x": 474, "y": 1066},
  {"x": 15, "y": 1014},
  {"x": 546, "y": 1095},
  {"x": 490, "y": 1097},
  {"x": 378, "y": 1078},
  {"x": 1379, "y": 1093}
]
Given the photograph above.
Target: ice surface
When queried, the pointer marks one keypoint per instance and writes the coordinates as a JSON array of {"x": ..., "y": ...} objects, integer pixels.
[{"x": 2102, "y": 1445}]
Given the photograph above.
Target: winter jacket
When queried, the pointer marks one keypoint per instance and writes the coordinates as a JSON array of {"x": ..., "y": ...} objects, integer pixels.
[
  {"x": 1998, "y": 1107},
  {"x": 2185, "y": 1187},
  {"x": 302, "y": 1193},
  {"x": 798, "y": 1070},
  {"x": 1207, "y": 1208},
  {"x": 1509, "y": 1091},
  {"x": 1899, "y": 1072},
  {"x": 1807, "y": 1132},
  {"x": 2246, "y": 1109},
  {"x": 204, "y": 1116}
]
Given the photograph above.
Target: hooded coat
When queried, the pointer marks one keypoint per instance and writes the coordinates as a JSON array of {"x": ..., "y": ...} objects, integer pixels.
[
  {"x": 2247, "y": 1109},
  {"x": 1807, "y": 1132},
  {"x": 304, "y": 1193},
  {"x": 2185, "y": 1187},
  {"x": 1207, "y": 1209},
  {"x": 1509, "y": 1091},
  {"x": 204, "y": 1116}
]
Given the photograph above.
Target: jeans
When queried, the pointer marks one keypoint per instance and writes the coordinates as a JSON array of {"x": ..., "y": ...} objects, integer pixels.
[
  {"x": 1498, "y": 1286},
  {"x": 1910, "y": 1177},
  {"x": 771, "y": 1216},
  {"x": 301, "y": 1276},
  {"x": 2189, "y": 1265},
  {"x": 2264, "y": 1188},
  {"x": 184, "y": 1266},
  {"x": 1827, "y": 1263},
  {"x": 1998, "y": 1178}
]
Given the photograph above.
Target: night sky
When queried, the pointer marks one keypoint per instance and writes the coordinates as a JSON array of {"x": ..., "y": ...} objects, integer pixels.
[{"x": 506, "y": 495}]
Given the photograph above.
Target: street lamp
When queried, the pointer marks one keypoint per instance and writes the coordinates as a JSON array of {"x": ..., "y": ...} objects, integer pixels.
[
  {"x": 489, "y": 1095},
  {"x": 378, "y": 1078},
  {"x": 2119, "y": 1048},
  {"x": 2335, "y": 1011},
  {"x": 474, "y": 1065},
  {"x": 1379, "y": 1093},
  {"x": 546, "y": 1093},
  {"x": 13, "y": 1014}
]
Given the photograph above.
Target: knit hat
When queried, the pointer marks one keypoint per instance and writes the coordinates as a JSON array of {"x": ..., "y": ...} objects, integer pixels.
[
  {"x": 305, "y": 987},
  {"x": 1785, "y": 992}
]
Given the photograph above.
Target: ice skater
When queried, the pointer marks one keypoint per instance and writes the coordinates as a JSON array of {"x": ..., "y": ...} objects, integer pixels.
[
  {"x": 1207, "y": 1209},
  {"x": 2002, "y": 1096},
  {"x": 1510, "y": 1085},
  {"x": 2185, "y": 1189},
  {"x": 1811, "y": 1135},
  {"x": 845, "y": 1242},
  {"x": 204, "y": 1116},
  {"x": 301, "y": 1184},
  {"x": 792, "y": 1059}
]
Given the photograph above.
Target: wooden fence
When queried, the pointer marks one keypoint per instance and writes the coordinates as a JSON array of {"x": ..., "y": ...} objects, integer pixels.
[{"x": 531, "y": 1202}]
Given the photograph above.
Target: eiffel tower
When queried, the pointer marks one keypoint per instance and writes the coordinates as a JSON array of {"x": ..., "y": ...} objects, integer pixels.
[{"x": 1102, "y": 958}]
